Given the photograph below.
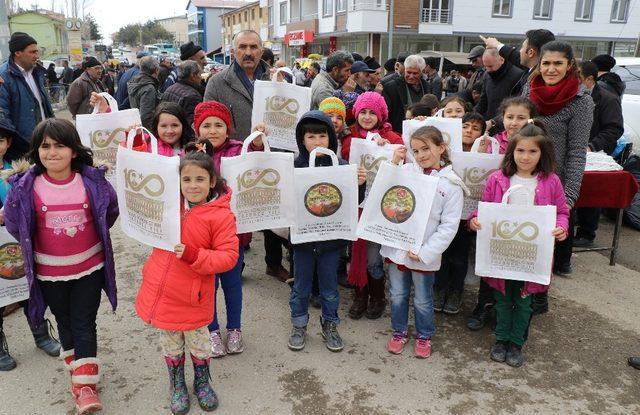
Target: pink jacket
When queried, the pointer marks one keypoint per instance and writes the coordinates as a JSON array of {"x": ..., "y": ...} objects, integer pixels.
[
  {"x": 549, "y": 191},
  {"x": 503, "y": 139},
  {"x": 144, "y": 146}
]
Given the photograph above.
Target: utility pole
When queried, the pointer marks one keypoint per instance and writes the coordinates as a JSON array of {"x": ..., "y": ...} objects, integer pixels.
[
  {"x": 391, "y": 27},
  {"x": 4, "y": 31}
]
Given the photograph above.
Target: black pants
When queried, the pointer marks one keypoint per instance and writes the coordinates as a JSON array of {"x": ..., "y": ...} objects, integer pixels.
[
  {"x": 75, "y": 305},
  {"x": 273, "y": 245},
  {"x": 587, "y": 222},
  {"x": 25, "y": 307},
  {"x": 455, "y": 261},
  {"x": 562, "y": 251}
]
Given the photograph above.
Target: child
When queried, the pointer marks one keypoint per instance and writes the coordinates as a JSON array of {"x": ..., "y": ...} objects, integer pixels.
[
  {"x": 419, "y": 110},
  {"x": 473, "y": 127},
  {"x": 316, "y": 130},
  {"x": 336, "y": 110},
  {"x": 177, "y": 291},
  {"x": 40, "y": 333},
  {"x": 529, "y": 161},
  {"x": 405, "y": 268},
  {"x": 453, "y": 107},
  {"x": 212, "y": 122},
  {"x": 61, "y": 210},
  {"x": 366, "y": 270}
]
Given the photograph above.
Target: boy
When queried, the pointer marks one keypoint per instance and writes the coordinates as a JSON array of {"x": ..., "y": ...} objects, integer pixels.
[
  {"x": 315, "y": 129},
  {"x": 473, "y": 126},
  {"x": 419, "y": 110}
]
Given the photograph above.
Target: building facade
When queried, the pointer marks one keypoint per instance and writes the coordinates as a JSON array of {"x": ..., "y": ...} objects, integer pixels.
[
  {"x": 204, "y": 26},
  {"x": 177, "y": 26},
  {"x": 248, "y": 17},
  {"x": 46, "y": 27}
]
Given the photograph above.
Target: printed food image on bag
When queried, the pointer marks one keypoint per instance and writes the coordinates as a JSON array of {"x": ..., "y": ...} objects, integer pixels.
[
  {"x": 11, "y": 261},
  {"x": 398, "y": 204},
  {"x": 323, "y": 199}
]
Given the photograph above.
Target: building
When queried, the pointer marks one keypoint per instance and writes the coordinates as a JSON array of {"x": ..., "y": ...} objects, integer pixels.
[
  {"x": 177, "y": 26},
  {"x": 204, "y": 26},
  {"x": 46, "y": 27},
  {"x": 322, "y": 26},
  {"x": 249, "y": 17}
]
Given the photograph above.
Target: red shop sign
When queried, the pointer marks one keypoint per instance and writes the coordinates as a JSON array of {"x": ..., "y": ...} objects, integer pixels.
[{"x": 298, "y": 37}]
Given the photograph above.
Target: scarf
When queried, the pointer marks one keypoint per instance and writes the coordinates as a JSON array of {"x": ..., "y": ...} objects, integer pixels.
[
  {"x": 246, "y": 82},
  {"x": 550, "y": 99}
]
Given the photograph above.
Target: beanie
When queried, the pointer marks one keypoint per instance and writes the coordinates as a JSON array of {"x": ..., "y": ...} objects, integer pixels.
[
  {"x": 604, "y": 62},
  {"x": 211, "y": 109},
  {"x": 188, "y": 50},
  {"x": 90, "y": 62},
  {"x": 333, "y": 105},
  {"x": 372, "y": 101},
  {"x": 19, "y": 41}
]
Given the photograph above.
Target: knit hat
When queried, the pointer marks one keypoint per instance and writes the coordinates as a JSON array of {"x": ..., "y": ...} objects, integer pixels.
[
  {"x": 211, "y": 109},
  {"x": 371, "y": 62},
  {"x": 90, "y": 62},
  {"x": 333, "y": 105},
  {"x": 188, "y": 50},
  {"x": 390, "y": 64},
  {"x": 372, "y": 101},
  {"x": 19, "y": 41},
  {"x": 604, "y": 62}
]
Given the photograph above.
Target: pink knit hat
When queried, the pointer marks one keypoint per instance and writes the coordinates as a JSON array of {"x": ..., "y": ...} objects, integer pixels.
[{"x": 372, "y": 101}]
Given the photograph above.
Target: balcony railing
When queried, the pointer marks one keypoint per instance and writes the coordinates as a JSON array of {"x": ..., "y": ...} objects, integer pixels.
[
  {"x": 442, "y": 16},
  {"x": 294, "y": 19},
  {"x": 357, "y": 5}
]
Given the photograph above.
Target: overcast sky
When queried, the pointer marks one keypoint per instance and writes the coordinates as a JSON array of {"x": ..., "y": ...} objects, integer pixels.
[{"x": 113, "y": 14}]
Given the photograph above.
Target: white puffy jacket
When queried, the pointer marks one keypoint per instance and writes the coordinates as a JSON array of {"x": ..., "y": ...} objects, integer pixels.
[{"x": 442, "y": 226}]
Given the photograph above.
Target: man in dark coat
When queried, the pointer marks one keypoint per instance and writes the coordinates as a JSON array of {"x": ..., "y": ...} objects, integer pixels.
[
  {"x": 499, "y": 81},
  {"x": 188, "y": 52},
  {"x": 143, "y": 90},
  {"x": 609, "y": 80},
  {"x": 122, "y": 94},
  {"x": 188, "y": 90}
]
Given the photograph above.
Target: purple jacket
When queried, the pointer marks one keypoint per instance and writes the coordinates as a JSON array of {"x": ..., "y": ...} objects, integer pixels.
[
  {"x": 549, "y": 191},
  {"x": 21, "y": 223}
]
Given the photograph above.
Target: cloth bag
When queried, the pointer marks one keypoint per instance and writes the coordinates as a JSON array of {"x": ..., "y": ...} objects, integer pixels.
[
  {"x": 367, "y": 153},
  {"x": 13, "y": 283},
  {"x": 149, "y": 194},
  {"x": 474, "y": 169},
  {"x": 451, "y": 129},
  {"x": 397, "y": 210},
  {"x": 279, "y": 105},
  {"x": 515, "y": 241},
  {"x": 326, "y": 201},
  {"x": 261, "y": 185},
  {"x": 104, "y": 132}
]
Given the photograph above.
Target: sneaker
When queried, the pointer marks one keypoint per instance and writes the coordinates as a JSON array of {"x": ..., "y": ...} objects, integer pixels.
[
  {"x": 297, "y": 338},
  {"x": 479, "y": 316},
  {"x": 453, "y": 302},
  {"x": 217, "y": 347},
  {"x": 499, "y": 351},
  {"x": 583, "y": 243},
  {"x": 397, "y": 342},
  {"x": 438, "y": 299},
  {"x": 234, "y": 341},
  {"x": 422, "y": 348},
  {"x": 331, "y": 336},
  {"x": 514, "y": 357},
  {"x": 314, "y": 300}
]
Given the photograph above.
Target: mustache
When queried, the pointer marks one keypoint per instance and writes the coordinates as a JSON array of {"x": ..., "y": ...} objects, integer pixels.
[{"x": 247, "y": 58}]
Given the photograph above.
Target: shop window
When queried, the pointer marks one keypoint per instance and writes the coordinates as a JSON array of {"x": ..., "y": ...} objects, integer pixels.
[
  {"x": 542, "y": 9},
  {"x": 502, "y": 8},
  {"x": 619, "y": 11},
  {"x": 584, "y": 10}
]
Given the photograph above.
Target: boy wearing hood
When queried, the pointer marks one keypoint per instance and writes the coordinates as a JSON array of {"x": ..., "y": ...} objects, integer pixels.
[{"x": 314, "y": 130}]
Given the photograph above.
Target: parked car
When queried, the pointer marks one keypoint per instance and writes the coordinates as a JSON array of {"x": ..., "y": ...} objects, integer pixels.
[{"x": 629, "y": 70}]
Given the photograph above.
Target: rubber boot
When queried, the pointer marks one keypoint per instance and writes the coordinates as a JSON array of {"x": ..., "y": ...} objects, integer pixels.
[
  {"x": 44, "y": 341},
  {"x": 178, "y": 386},
  {"x": 6, "y": 361},
  {"x": 68, "y": 357},
  {"x": 377, "y": 303},
  {"x": 359, "y": 305},
  {"x": 207, "y": 398},
  {"x": 84, "y": 381}
]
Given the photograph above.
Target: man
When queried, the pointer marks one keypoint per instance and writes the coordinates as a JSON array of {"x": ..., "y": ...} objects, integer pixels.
[
  {"x": 360, "y": 74},
  {"x": 165, "y": 69},
  {"x": 453, "y": 83},
  {"x": 402, "y": 92},
  {"x": 143, "y": 90},
  {"x": 268, "y": 57},
  {"x": 607, "y": 79},
  {"x": 376, "y": 75},
  {"x": 607, "y": 128},
  {"x": 312, "y": 71},
  {"x": 398, "y": 68},
  {"x": 67, "y": 75},
  {"x": 188, "y": 90},
  {"x": 122, "y": 94},
  {"x": 338, "y": 70},
  {"x": 475, "y": 57},
  {"x": 23, "y": 98},
  {"x": 498, "y": 83},
  {"x": 433, "y": 80},
  {"x": 81, "y": 89},
  {"x": 191, "y": 52},
  {"x": 234, "y": 85},
  {"x": 280, "y": 64}
]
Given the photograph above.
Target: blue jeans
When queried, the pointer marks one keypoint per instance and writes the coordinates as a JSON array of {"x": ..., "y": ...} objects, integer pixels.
[
  {"x": 374, "y": 261},
  {"x": 232, "y": 286},
  {"x": 305, "y": 261},
  {"x": 399, "y": 290}
]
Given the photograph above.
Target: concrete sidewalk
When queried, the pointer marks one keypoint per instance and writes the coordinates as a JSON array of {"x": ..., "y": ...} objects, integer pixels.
[{"x": 575, "y": 359}]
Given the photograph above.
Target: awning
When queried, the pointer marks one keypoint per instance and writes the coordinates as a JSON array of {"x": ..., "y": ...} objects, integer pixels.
[{"x": 450, "y": 58}]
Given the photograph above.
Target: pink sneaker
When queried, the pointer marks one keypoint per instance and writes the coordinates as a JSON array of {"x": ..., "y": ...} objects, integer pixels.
[
  {"x": 422, "y": 348},
  {"x": 397, "y": 342}
]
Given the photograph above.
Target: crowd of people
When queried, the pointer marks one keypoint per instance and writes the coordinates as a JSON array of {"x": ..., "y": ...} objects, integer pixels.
[{"x": 545, "y": 110}]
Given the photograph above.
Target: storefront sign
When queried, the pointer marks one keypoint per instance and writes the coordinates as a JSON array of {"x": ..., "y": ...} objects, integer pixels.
[{"x": 298, "y": 37}]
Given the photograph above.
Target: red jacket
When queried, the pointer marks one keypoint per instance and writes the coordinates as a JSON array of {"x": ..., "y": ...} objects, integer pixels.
[
  {"x": 178, "y": 294},
  {"x": 386, "y": 132}
]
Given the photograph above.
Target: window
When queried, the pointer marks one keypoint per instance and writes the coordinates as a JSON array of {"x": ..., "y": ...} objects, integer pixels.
[
  {"x": 584, "y": 10},
  {"x": 270, "y": 15},
  {"x": 341, "y": 5},
  {"x": 245, "y": 15},
  {"x": 619, "y": 11},
  {"x": 502, "y": 8},
  {"x": 228, "y": 21},
  {"x": 436, "y": 11},
  {"x": 542, "y": 9},
  {"x": 253, "y": 14},
  {"x": 283, "y": 13},
  {"x": 327, "y": 7},
  {"x": 234, "y": 19}
]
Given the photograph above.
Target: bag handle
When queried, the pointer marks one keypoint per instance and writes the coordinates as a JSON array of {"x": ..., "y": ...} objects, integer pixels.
[
  {"x": 495, "y": 145},
  {"x": 322, "y": 150},
  {"x": 274, "y": 77},
  {"x": 515, "y": 188},
  {"x": 439, "y": 113},
  {"x": 249, "y": 140},
  {"x": 152, "y": 138},
  {"x": 372, "y": 136},
  {"x": 113, "y": 104}
]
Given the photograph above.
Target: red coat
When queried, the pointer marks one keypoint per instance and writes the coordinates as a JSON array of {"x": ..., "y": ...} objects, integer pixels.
[
  {"x": 386, "y": 133},
  {"x": 178, "y": 294}
]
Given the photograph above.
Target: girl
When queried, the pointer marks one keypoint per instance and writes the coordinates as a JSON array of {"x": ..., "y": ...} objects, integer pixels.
[
  {"x": 366, "y": 270},
  {"x": 405, "y": 268},
  {"x": 177, "y": 291},
  {"x": 212, "y": 123},
  {"x": 61, "y": 210},
  {"x": 529, "y": 161},
  {"x": 419, "y": 110},
  {"x": 516, "y": 112},
  {"x": 453, "y": 107}
]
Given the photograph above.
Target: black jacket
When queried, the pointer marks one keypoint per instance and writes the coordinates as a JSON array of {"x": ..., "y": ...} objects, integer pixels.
[
  {"x": 186, "y": 95},
  {"x": 612, "y": 83},
  {"x": 395, "y": 94},
  {"x": 497, "y": 86},
  {"x": 608, "y": 124},
  {"x": 512, "y": 55}
]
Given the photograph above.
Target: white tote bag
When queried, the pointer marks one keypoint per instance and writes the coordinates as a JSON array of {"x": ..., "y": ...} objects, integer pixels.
[
  {"x": 326, "y": 201},
  {"x": 13, "y": 283},
  {"x": 451, "y": 129},
  {"x": 368, "y": 154},
  {"x": 398, "y": 207},
  {"x": 149, "y": 194},
  {"x": 515, "y": 241},
  {"x": 280, "y": 105},
  {"x": 103, "y": 133},
  {"x": 474, "y": 169},
  {"x": 261, "y": 185}
]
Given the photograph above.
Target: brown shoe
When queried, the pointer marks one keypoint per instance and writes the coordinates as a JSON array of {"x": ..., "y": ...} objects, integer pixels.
[
  {"x": 377, "y": 302},
  {"x": 279, "y": 272},
  {"x": 359, "y": 306}
]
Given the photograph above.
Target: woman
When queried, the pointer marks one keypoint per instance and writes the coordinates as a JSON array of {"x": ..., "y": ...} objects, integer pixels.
[{"x": 53, "y": 81}]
